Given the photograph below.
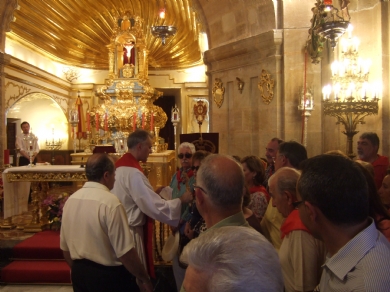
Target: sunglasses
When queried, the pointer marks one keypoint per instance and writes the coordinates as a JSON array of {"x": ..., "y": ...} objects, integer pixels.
[
  {"x": 195, "y": 168},
  {"x": 187, "y": 155}
]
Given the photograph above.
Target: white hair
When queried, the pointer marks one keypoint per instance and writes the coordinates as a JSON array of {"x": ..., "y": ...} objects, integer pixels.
[
  {"x": 187, "y": 145},
  {"x": 235, "y": 258}
]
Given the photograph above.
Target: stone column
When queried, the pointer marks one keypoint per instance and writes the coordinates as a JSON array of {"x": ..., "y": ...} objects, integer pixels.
[
  {"x": 4, "y": 60},
  {"x": 7, "y": 8}
]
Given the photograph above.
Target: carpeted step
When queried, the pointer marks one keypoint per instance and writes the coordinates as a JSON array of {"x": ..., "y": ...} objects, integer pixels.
[
  {"x": 36, "y": 272},
  {"x": 42, "y": 245}
]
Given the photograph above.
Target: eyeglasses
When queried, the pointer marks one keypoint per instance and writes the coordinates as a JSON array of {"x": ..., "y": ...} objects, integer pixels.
[
  {"x": 186, "y": 155},
  {"x": 198, "y": 187},
  {"x": 297, "y": 204},
  {"x": 195, "y": 168}
]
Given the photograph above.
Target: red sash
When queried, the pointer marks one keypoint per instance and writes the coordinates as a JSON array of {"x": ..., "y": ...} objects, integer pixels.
[
  {"x": 129, "y": 160},
  {"x": 292, "y": 222}
]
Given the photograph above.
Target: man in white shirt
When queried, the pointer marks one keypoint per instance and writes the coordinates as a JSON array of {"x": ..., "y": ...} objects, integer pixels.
[
  {"x": 334, "y": 205},
  {"x": 95, "y": 239},
  {"x": 22, "y": 145}
]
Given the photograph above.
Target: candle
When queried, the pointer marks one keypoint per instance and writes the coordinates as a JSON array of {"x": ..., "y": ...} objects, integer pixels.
[
  {"x": 6, "y": 156},
  {"x": 327, "y": 2},
  {"x": 134, "y": 120},
  {"x": 88, "y": 122},
  {"x": 97, "y": 121},
  {"x": 151, "y": 122},
  {"x": 105, "y": 122},
  {"x": 143, "y": 121}
]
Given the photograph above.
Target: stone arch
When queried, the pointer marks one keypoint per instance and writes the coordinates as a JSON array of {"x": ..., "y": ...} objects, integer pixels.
[{"x": 46, "y": 117}]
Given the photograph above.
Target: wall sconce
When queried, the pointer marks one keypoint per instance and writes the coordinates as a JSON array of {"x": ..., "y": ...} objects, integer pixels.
[{"x": 240, "y": 84}]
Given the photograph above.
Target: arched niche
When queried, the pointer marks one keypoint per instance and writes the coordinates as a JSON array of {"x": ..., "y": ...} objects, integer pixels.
[{"x": 46, "y": 118}]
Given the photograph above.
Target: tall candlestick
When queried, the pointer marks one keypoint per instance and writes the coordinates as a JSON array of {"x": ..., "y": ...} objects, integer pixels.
[
  {"x": 6, "y": 156},
  {"x": 97, "y": 121},
  {"x": 88, "y": 122}
]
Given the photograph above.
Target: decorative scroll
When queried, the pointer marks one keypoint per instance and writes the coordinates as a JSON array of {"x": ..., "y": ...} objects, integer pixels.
[
  {"x": 22, "y": 90},
  {"x": 266, "y": 87},
  {"x": 218, "y": 92}
]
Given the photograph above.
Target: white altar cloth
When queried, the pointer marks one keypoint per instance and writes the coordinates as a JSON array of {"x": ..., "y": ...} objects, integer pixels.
[{"x": 16, "y": 192}]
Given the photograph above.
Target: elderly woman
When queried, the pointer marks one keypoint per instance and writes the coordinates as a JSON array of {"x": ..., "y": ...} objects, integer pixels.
[
  {"x": 254, "y": 176},
  {"x": 182, "y": 181}
]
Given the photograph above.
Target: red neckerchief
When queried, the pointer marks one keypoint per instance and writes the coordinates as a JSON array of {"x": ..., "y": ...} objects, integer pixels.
[
  {"x": 181, "y": 178},
  {"x": 129, "y": 160},
  {"x": 292, "y": 222},
  {"x": 260, "y": 189}
]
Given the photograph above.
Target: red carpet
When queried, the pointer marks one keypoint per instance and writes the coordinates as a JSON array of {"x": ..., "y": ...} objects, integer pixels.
[{"x": 38, "y": 259}]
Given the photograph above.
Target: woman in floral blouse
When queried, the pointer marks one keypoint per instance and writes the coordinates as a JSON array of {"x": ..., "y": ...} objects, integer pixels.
[{"x": 254, "y": 175}]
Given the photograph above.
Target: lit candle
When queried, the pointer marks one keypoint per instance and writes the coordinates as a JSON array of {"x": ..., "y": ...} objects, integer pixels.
[
  {"x": 151, "y": 122},
  {"x": 6, "y": 156},
  {"x": 143, "y": 121},
  {"x": 327, "y": 2},
  {"x": 97, "y": 121},
  {"x": 134, "y": 120},
  {"x": 88, "y": 122}
]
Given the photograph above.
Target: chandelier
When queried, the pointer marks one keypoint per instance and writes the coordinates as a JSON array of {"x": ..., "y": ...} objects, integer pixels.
[
  {"x": 328, "y": 23},
  {"x": 163, "y": 31},
  {"x": 351, "y": 98}
]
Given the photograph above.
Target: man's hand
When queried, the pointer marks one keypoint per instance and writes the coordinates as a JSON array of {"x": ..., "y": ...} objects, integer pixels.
[
  {"x": 159, "y": 189},
  {"x": 186, "y": 198}
]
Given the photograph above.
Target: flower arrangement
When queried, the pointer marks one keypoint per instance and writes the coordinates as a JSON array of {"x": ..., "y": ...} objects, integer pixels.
[{"x": 55, "y": 205}]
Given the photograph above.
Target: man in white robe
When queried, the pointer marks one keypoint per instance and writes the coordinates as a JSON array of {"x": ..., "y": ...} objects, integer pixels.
[{"x": 138, "y": 197}]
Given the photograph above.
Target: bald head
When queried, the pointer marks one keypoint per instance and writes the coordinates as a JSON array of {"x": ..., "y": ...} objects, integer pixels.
[
  {"x": 97, "y": 165},
  {"x": 223, "y": 179},
  {"x": 285, "y": 179}
]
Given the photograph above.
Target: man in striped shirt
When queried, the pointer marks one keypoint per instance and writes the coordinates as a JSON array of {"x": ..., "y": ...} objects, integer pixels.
[{"x": 333, "y": 204}]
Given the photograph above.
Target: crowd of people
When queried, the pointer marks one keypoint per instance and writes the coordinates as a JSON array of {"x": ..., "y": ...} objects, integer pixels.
[{"x": 283, "y": 223}]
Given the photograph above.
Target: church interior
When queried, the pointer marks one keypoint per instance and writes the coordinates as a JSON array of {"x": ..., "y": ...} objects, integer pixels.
[{"x": 87, "y": 73}]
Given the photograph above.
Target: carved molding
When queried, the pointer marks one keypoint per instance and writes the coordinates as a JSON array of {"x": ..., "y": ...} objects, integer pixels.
[
  {"x": 45, "y": 177},
  {"x": 22, "y": 90}
]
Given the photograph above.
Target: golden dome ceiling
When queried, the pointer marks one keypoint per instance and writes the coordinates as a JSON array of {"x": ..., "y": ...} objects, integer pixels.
[{"x": 77, "y": 32}]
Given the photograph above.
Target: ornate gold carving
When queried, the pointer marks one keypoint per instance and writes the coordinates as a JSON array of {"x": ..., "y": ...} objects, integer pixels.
[
  {"x": 45, "y": 177},
  {"x": 22, "y": 90},
  {"x": 159, "y": 175},
  {"x": 128, "y": 70},
  {"x": 71, "y": 74},
  {"x": 218, "y": 92},
  {"x": 266, "y": 87}
]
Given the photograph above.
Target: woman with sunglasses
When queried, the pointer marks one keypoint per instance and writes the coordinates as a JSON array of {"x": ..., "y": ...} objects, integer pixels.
[
  {"x": 254, "y": 176},
  {"x": 182, "y": 181}
]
